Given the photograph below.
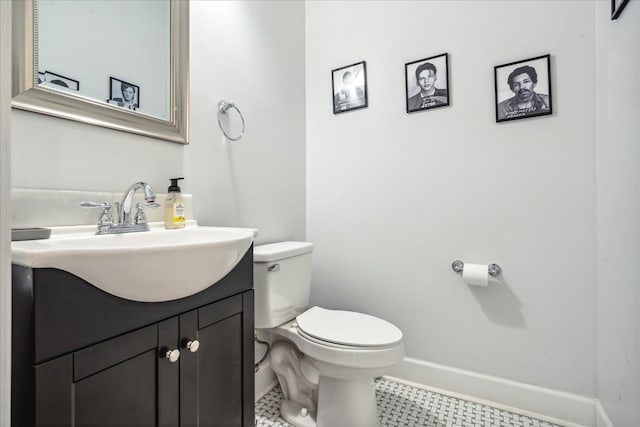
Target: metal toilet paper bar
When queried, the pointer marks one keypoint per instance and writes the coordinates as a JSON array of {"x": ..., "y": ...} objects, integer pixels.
[{"x": 458, "y": 267}]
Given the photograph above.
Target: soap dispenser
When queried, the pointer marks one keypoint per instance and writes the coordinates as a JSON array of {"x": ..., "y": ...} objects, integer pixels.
[{"x": 174, "y": 206}]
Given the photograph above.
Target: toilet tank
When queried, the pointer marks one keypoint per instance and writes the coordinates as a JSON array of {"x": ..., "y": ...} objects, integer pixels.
[{"x": 281, "y": 281}]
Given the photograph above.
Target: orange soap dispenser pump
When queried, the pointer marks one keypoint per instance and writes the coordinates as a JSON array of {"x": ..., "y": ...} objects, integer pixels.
[{"x": 174, "y": 206}]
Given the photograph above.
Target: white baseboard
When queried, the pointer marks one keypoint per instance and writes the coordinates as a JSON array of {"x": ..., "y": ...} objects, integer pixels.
[
  {"x": 265, "y": 380},
  {"x": 544, "y": 403},
  {"x": 554, "y": 406},
  {"x": 602, "y": 419}
]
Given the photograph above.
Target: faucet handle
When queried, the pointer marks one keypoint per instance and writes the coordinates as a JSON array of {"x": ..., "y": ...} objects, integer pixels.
[
  {"x": 140, "y": 217},
  {"x": 105, "y": 221},
  {"x": 104, "y": 205}
]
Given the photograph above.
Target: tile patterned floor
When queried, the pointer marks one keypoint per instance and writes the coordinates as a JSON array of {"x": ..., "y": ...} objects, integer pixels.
[{"x": 401, "y": 405}]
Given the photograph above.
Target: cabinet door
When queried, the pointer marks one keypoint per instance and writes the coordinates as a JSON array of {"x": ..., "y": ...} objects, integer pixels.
[
  {"x": 216, "y": 384},
  {"x": 124, "y": 381}
]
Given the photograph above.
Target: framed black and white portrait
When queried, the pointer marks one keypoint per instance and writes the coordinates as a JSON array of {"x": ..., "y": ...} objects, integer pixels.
[
  {"x": 427, "y": 83},
  {"x": 58, "y": 81},
  {"x": 349, "y": 86},
  {"x": 124, "y": 94},
  {"x": 616, "y": 8},
  {"x": 523, "y": 89}
]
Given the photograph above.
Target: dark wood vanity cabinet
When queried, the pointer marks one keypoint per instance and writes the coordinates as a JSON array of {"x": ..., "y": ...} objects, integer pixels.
[
  {"x": 113, "y": 383},
  {"x": 91, "y": 359}
]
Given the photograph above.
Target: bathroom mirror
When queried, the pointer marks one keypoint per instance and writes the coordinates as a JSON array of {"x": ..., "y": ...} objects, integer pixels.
[{"x": 133, "y": 75}]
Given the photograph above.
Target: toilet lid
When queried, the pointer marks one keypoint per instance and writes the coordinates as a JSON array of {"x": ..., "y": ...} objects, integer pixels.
[{"x": 348, "y": 328}]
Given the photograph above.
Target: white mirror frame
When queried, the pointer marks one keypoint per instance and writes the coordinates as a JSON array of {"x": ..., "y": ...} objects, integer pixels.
[{"x": 28, "y": 96}]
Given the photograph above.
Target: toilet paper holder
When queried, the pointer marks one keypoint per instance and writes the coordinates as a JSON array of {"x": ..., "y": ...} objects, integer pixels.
[{"x": 458, "y": 266}]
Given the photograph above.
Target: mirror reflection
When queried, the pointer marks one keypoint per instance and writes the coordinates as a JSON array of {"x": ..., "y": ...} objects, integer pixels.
[{"x": 113, "y": 51}]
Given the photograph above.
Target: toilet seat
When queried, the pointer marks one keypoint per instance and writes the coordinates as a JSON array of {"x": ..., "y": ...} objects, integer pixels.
[
  {"x": 347, "y": 329},
  {"x": 377, "y": 360}
]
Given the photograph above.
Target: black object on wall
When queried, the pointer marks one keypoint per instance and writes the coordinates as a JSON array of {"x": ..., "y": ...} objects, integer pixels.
[{"x": 616, "y": 8}]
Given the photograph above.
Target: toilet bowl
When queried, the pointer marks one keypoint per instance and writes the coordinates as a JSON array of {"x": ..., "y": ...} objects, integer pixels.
[{"x": 325, "y": 360}]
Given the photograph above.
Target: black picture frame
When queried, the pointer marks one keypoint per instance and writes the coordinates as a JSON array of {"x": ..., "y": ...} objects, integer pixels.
[
  {"x": 55, "y": 80},
  {"x": 349, "y": 87},
  {"x": 510, "y": 95},
  {"x": 418, "y": 99},
  {"x": 117, "y": 95},
  {"x": 616, "y": 8}
]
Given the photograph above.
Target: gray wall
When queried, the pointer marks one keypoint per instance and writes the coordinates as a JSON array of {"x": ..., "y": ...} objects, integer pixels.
[
  {"x": 618, "y": 198},
  {"x": 393, "y": 198}
]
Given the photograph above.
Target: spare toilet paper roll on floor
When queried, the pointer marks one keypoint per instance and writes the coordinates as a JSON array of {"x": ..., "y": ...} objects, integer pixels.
[{"x": 476, "y": 274}]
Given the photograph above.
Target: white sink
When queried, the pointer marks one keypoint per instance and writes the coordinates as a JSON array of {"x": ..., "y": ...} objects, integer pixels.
[{"x": 151, "y": 266}]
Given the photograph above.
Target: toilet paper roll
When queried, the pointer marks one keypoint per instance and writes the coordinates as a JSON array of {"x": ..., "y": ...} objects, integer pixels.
[{"x": 476, "y": 274}]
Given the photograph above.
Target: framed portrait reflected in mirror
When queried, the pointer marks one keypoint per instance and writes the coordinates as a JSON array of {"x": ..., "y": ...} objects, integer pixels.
[
  {"x": 427, "y": 83},
  {"x": 124, "y": 94},
  {"x": 349, "y": 86},
  {"x": 58, "y": 81},
  {"x": 523, "y": 89}
]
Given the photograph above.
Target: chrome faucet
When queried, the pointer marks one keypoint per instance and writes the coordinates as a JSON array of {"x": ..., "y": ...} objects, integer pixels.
[
  {"x": 124, "y": 208},
  {"x": 124, "y": 224}
]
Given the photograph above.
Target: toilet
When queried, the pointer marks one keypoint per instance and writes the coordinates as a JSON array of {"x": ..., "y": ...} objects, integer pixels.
[{"x": 325, "y": 360}]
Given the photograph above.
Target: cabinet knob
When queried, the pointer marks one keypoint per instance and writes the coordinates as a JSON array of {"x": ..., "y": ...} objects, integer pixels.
[
  {"x": 173, "y": 355},
  {"x": 192, "y": 345}
]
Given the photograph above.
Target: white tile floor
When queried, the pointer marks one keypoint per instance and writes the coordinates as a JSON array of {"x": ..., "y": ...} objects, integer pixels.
[{"x": 401, "y": 405}]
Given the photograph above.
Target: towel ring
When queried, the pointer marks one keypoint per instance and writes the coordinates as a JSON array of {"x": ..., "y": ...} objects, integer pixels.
[{"x": 223, "y": 107}]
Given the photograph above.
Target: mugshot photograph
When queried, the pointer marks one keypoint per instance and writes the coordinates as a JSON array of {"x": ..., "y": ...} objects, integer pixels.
[
  {"x": 427, "y": 83},
  {"x": 50, "y": 79},
  {"x": 349, "y": 94},
  {"x": 523, "y": 89},
  {"x": 349, "y": 87},
  {"x": 123, "y": 94}
]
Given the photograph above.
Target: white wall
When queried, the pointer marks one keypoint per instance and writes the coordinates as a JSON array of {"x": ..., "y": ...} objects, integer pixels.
[
  {"x": 618, "y": 210},
  {"x": 393, "y": 198},
  {"x": 248, "y": 52},
  {"x": 59, "y": 154},
  {"x": 251, "y": 54}
]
